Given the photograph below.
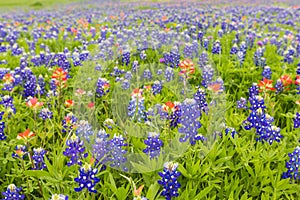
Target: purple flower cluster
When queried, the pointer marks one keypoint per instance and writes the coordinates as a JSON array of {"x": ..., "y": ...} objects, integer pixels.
[
  {"x": 261, "y": 121},
  {"x": 154, "y": 145},
  {"x": 293, "y": 165},
  {"x": 13, "y": 193},
  {"x": 75, "y": 150},
  {"x": 189, "y": 120},
  {"x": 169, "y": 181},
  {"x": 87, "y": 178},
  {"x": 200, "y": 97},
  {"x": 38, "y": 158},
  {"x": 2, "y": 127},
  {"x": 102, "y": 87}
]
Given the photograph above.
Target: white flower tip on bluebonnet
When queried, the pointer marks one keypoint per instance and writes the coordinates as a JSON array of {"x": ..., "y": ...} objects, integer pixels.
[
  {"x": 148, "y": 123},
  {"x": 189, "y": 101},
  {"x": 171, "y": 166},
  {"x": 87, "y": 167},
  {"x": 11, "y": 187},
  {"x": 153, "y": 134},
  {"x": 58, "y": 197}
]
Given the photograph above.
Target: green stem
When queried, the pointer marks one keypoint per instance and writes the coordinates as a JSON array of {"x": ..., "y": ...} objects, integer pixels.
[{"x": 23, "y": 167}]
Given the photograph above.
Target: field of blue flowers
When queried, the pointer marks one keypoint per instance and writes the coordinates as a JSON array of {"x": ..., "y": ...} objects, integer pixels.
[{"x": 143, "y": 100}]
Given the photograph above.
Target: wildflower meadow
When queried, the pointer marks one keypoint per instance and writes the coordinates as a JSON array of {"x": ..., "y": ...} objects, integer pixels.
[{"x": 149, "y": 100}]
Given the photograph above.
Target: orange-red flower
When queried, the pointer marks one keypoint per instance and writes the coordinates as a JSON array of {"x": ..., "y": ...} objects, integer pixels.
[
  {"x": 138, "y": 192},
  {"x": 8, "y": 78},
  {"x": 286, "y": 80},
  {"x": 60, "y": 77},
  {"x": 170, "y": 106},
  {"x": 137, "y": 93},
  {"x": 34, "y": 103},
  {"x": 266, "y": 84},
  {"x": 69, "y": 103},
  {"x": 187, "y": 67},
  {"x": 297, "y": 81},
  {"x": 26, "y": 135},
  {"x": 215, "y": 87},
  {"x": 91, "y": 104},
  {"x": 80, "y": 91}
]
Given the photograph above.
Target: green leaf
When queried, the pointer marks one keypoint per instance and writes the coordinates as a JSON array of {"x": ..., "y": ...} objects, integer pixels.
[
  {"x": 152, "y": 191},
  {"x": 183, "y": 171},
  {"x": 112, "y": 183},
  {"x": 204, "y": 192}
]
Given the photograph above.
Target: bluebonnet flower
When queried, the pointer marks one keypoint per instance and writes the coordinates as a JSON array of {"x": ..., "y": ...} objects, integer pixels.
[
  {"x": 170, "y": 111},
  {"x": 172, "y": 59},
  {"x": 241, "y": 57},
  {"x": 297, "y": 120},
  {"x": 207, "y": 75},
  {"x": 220, "y": 33},
  {"x": 84, "y": 55},
  {"x": 20, "y": 151},
  {"x": 242, "y": 103},
  {"x": 75, "y": 150},
  {"x": 2, "y": 127},
  {"x": 69, "y": 123},
  {"x": 59, "y": 197},
  {"x": 203, "y": 59},
  {"x": 260, "y": 122},
  {"x": 116, "y": 153},
  {"x": 13, "y": 193},
  {"x": 101, "y": 147},
  {"x": 102, "y": 87},
  {"x": 266, "y": 73},
  {"x": 29, "y": 86},
  {"x": 200, "y": 35},
  {"x": 147, "y": 74},
  {"x": 231, "y": 131},
  {"x": 169, "y": 181},
  {"x": 154, "y": 145},
  {"x": 189, "y": 120},
  {"x": 38, "y": 158},
  {"x": 188, "y": 50},
  {"x": 234, "y": 49},
  {"x": 136, "y": 107},
  {"x": 128, "y": 75},
  {"x": 298, "y": 69},
  {"x": 109, "y": 123},
  {"x": 200, "y": 98},
  {"x": 8, "y": 84},
  {"x": 125, "y": 84},
  {"x": 253, "y": 90},
  {"x": 243, "y": 47},
  {"x": 288, "y": 57},
  {"x": 293, "y": 165},
  {"x": 169, "y": 74},
  {"x": 259, "y": 61},
  {"x": 85, "y": 130},
  {"x": 40, "y": 86},
  {"x": 3, "y": 72},
  {"x": 87, "y": 178},
  {"x": 156, "y": 87},
  {"x": 117, "y": 72},
  {"x": 159, "y": 71},
  {"x": 135, "y": 66},
  {"x": 45, "y": 114},
  {"x": 7, "y": 102},
  {"x": 143, "y": 55},
  {"x": 126, "y": 58},
  {"x": 279, "y": 86},
  {"x": 205, "y": 43},
  {"x": 216, "y": 49}
]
